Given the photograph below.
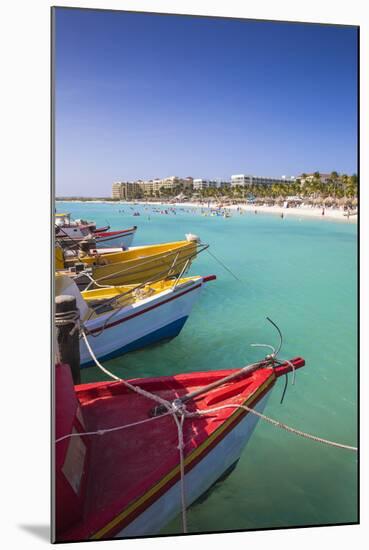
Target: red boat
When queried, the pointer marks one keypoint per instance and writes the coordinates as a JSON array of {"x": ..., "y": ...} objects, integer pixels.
[
  {"x": 100, "y": 229},
  {"x": 124, "y": 479},
  {"x": 71, "y": 237}
]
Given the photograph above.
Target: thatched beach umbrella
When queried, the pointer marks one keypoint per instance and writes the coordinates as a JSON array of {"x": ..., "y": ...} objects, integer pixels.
[
  {"x": 329, "y": 200},
  {"x": 342, "y": 201}
]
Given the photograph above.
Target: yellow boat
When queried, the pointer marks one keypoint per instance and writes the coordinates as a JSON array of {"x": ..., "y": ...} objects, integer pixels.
[{"x": 133, "y": 266}]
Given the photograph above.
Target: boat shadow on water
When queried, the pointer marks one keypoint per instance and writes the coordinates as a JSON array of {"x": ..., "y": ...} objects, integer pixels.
[{"x": 215, "y": 485}]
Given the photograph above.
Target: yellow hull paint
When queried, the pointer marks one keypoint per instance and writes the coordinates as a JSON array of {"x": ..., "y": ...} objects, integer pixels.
[{"x": 140, "y": 264}]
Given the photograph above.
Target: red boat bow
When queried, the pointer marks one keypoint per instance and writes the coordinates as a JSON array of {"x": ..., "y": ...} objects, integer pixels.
[
  {"x": 106, "y": 480},
  {"x": 209, "y": 278}
]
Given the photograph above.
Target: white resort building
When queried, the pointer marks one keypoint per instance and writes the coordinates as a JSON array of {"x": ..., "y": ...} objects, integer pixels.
[{"x": 242, "y": 179}]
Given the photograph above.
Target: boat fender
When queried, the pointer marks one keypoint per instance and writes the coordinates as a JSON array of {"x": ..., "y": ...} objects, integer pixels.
[
  {"x": 190, "y": 237},
  {"x": 59, "y": 257}
]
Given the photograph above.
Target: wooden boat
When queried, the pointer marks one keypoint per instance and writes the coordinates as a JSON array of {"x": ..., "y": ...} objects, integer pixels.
[
  {"x": 73, "y": 228},
  {"x": 127, "y": 482},
  {"x": 121, "y": 239},
  {"x": 126, "y": 318},
  {"x": 133, "y": 266},
  {"x": 64, "y": 220},
  {"x": 77, "y": 228},
  {"x": 68, "y": 231}
]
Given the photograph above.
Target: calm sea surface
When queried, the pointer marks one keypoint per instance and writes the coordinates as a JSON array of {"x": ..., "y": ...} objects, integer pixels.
[{"x": 302, "y": 274}]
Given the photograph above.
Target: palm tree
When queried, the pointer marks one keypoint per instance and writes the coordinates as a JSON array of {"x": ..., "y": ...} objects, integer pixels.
[
  {"x": 335, "y": 182},
  {"x": 352, "y": 186}
]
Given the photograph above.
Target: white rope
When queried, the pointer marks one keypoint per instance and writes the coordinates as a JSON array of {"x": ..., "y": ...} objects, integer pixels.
[
  {"x": 136, "y": 389},
  {"x": 181, "y": 467},
  {"x": 277, "y": 424},
  {"x": 103, "y": 431},
  {"x": 292, "y": 367},
  {"x": 71, "y": 317},
  {"x": 92, "y": 280},
  {"x": 178, "y": 408},
  {"x": 173, "y": 408}
]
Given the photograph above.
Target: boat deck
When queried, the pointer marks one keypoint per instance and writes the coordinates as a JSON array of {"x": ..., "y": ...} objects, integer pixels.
[{"x": 129, "y": 464}]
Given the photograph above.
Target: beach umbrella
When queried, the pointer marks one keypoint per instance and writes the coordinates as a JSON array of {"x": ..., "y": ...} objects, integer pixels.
[
  {"x": 329, "y": 200},
  {"x": 342, "y": 201}
]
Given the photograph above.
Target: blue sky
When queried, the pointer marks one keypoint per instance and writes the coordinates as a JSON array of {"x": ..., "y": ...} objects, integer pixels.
[{"x": 145, "y": 96}]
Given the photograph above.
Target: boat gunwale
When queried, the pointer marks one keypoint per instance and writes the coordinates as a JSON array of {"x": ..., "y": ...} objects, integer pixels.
[
  {"x": 142, "y": 502},
  {"x": 134, "y": 309}
]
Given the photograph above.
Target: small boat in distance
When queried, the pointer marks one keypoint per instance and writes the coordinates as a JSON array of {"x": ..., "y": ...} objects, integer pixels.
[
  {"x": 127, "y": 318},
  {"x": 116, "y": 482},
  {"x": 122, "y": 239},
  {"x": 69, "y": 233}
]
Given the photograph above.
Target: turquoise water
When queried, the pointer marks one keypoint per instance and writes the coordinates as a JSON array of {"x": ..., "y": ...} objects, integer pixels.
[{"x": 302, "y": 274}]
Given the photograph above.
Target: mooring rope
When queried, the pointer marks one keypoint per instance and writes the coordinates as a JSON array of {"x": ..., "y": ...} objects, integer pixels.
[
  {"x": 103, "y": 431},
  {"x": 71, "y": 317},
  {"x": 277, "y": 424},
  {"x": 178, "y": 408},
  {"x": 172, "y": 408},
  {"x": 223, "y": 265}
]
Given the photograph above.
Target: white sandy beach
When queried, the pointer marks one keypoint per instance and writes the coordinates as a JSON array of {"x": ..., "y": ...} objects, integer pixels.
[
  {"x": 301, "y": 211},
  {"x": 335, "y": 214}
]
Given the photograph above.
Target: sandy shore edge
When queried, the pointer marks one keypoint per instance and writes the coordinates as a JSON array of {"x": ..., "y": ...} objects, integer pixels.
[{"x": 301, "y": 211}]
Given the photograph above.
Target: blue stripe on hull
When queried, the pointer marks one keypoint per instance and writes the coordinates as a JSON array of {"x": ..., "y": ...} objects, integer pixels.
[{"x": 164, "y": 333}]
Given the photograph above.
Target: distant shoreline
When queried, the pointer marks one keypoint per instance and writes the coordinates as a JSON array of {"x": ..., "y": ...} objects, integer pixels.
[{"x": 333, "y": 214}]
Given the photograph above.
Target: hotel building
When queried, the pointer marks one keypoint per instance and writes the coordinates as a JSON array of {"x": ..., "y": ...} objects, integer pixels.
[
  {"x": 200, "y": 183},
  {"x": 245, "y": 180},
  {"x": 126, "y": 190}
]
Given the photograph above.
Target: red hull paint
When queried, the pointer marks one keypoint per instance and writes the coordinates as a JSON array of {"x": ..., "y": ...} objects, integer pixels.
[
  {"x": 110, "y": 234},
  {"x": 112, "y": 490}
]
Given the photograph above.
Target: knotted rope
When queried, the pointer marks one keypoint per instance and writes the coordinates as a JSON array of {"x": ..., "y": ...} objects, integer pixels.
[
  {"x": 178, "y": 411},
  {"x": 71, "y": 317}
]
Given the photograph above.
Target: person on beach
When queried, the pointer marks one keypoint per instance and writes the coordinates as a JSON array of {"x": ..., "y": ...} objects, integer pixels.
[
  {"x": 323, "y": 212},
  {"x": 256, "y": 211},
  {"x": 282, "y": 215}
]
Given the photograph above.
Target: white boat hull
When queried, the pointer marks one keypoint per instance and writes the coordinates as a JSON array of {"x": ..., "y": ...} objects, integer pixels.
[
  {"x": 146, "y": 322},
  {"x": 198, "y": 480},
  {"x": 120, "y": 241}
]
